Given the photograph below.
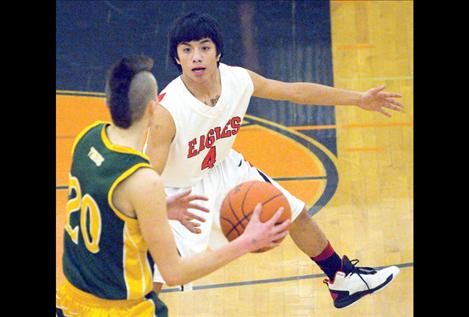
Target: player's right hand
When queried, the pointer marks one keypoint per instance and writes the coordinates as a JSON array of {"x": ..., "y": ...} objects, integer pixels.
[
  {"x": 265, "y": 234},
  {"x": 178, "y": 206}
]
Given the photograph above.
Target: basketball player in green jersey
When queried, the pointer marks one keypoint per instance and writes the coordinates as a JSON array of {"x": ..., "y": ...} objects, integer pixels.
[{"x": 117, "y": 212}]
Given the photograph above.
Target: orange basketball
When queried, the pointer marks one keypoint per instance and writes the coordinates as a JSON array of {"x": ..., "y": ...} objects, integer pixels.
[{"x": 239, "y": 203}]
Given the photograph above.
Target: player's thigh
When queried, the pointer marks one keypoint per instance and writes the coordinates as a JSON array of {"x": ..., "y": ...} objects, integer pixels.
[{"x": 237, "y": 170}]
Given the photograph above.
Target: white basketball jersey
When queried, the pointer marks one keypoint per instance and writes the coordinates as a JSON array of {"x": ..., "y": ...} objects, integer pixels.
[{"x": 204, "y": 135}]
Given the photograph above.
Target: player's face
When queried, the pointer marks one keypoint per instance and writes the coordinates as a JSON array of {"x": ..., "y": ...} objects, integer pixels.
[{"x": 198, "y": 59}]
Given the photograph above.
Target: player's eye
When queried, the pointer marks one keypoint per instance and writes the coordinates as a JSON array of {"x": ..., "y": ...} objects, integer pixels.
[{"x": 186, "y": 49}]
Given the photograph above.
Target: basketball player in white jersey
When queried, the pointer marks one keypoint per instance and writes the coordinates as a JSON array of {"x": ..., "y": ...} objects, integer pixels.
[{"x": 199, "y": 116}]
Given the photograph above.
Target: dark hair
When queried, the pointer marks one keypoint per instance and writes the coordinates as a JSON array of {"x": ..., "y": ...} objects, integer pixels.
[
  {"x": 194, "y": 27},
  {"x": 128, "y": 106}
]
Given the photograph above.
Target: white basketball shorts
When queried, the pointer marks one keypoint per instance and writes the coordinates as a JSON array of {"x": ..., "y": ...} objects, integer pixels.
[{"x": 233, "y": 171}]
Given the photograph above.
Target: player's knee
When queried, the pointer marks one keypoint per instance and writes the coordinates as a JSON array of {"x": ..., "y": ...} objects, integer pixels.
[
  {"x": 303, "y": 216},
  {"x": 303, "y": 219}
]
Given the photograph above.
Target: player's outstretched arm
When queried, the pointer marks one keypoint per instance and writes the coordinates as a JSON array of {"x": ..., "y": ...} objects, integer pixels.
[
  {"x": 374, "y": 99},
  {"x": 257, "y": 235},
  {"x": 160, "y": 136},
  {"x": 146, "y": 195}
]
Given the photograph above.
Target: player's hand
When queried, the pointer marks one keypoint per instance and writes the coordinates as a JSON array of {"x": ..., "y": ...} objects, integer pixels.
[
  {"x": 178, "y": 209},
  {"x": 265, "y": 234},
  {"x": 376, "y": 99}
]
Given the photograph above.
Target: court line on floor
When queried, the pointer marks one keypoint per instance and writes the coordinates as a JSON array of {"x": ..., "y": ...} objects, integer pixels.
[
  {"x": 266, "y": 281},
  {"x": 351, "y": 126},
  {"x": 312, "y": 127},
  {"x": 277, "y": 179}
]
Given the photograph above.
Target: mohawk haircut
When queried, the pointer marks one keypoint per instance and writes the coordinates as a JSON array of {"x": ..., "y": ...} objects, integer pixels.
[{"x": 128, "y": 91}]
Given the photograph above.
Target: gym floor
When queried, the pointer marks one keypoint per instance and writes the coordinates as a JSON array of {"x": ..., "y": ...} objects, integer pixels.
[{"x": 354, "y": 169}]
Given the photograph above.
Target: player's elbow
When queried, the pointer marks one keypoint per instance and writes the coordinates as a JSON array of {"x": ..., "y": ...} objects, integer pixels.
[
  {"x": 173, "y": 278},
  {"x": 172, "y": 273}
]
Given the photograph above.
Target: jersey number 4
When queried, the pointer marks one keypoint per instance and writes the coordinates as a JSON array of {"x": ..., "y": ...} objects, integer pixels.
[
  {"x": 210, "y": 158},
  {"x": 89, "y": 216}
]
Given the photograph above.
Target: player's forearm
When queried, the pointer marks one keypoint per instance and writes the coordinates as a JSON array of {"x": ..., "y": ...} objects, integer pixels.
[
  {"x": 316, "y": 94},
  {"x": 199, "y": 265}
]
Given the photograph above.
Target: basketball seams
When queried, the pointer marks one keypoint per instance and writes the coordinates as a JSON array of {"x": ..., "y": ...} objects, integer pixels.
[
  {"x": 231, "y": 218},
  {"x": 271, "y": 198},
  {"x": 233, "y": 227},
  {"x": 244, "y": 198},
  {"x": 231, "y": 208}
]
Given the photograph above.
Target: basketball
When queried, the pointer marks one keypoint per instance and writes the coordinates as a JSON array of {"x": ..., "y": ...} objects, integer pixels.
[{"x": 239, "y": 203}]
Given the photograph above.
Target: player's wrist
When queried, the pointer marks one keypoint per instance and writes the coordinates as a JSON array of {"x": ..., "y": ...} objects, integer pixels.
[
  {"x": 358, "y": 99},
  {"x": 245, "y": 243}
]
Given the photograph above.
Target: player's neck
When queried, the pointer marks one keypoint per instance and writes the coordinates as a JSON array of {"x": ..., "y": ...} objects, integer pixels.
[
  {"x": 133, "y": 137},
  {"x": 206, "y": 90}
]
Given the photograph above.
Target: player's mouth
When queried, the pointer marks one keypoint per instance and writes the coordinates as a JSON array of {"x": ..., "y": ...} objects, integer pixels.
[{"x": 198, "y": 71}]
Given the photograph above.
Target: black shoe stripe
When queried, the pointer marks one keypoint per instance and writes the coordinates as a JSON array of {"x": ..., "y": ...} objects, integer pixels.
[{"x": 344, "y": 300}]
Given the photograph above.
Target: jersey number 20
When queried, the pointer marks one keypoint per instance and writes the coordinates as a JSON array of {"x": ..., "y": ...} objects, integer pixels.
[{"x": 88, "y": 208}]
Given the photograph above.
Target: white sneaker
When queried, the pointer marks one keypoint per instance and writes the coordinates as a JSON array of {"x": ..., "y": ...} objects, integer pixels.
[{"x": 352, "y": 283}]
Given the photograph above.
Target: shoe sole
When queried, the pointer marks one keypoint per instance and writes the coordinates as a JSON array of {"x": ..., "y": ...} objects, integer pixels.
[{"x": 351, "y": 300}]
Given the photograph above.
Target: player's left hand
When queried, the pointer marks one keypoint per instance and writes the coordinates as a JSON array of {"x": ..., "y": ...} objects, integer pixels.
[
  {"x": 377, "y": 100},
  {"x": 178, "y": 206}
]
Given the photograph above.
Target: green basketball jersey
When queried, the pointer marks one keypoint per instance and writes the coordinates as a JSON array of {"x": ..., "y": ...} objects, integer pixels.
[{"x": 104, "y": 251}]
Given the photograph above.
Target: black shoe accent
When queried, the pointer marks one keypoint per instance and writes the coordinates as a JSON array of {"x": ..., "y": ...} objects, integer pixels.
[
  {"x": 349, "y": 268},
  {"x": 344, "y": 299}
]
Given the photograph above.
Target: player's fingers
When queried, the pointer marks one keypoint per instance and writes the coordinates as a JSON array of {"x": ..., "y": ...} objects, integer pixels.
[
  {"x": 282, "y": 226},
  {"x": 395, "y": 102},
  {"x": 391, "y": 106},
  {"x": 190, "y": 216},
  {"x": 280, "y": 235},
  {"x": 390, "y": 95},
  {"x": 198, "y": 207},
  {"x": 276, "y": 216},
  {"x": 257, "y": 212},
  {"x": 197, "y": 197},
  {"x": 192, "y": 227},
  {"x": 377, "y": 89},
  {"x": 189, "y": 219},
  {"x": 384, "y": 112}
]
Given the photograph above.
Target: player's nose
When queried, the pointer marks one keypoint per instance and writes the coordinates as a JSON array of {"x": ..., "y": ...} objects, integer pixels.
[{"x": 197, "y": 56}]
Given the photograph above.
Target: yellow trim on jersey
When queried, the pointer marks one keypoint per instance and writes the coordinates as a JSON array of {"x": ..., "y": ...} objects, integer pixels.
[
  {"x": 124, "y": 175},
  {"x": 84, "y": 131},
  {"x": 120, "y": 148},
  {"x": 137, "y": 271},
  {"x": 91, "y": 300}
]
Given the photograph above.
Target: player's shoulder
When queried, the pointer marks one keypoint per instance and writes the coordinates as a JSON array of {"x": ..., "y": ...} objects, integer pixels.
[
  {"x": 173, "y": 92},
  {"x": 174, "y": 86},
  {"x": 144, "y": 177},
  {"x": 85, "y": 132},
  {"x": 233, "y": 70},
  {"x": 236, "y": 75}
]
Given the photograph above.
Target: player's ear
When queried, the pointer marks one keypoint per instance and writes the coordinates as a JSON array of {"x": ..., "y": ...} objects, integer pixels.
[
  {"x": 177, "y": 61},
  {"x": 151, "y": 109},
  {"x": 218, "y": 57}
]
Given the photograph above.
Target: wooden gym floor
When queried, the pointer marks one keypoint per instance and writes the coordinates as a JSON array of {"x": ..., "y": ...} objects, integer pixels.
[{"x": 370, "y": 216}]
